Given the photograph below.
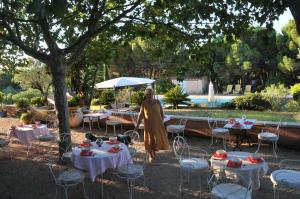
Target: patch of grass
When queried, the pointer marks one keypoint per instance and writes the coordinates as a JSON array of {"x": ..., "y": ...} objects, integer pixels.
[{"x": 220, "y": 113}]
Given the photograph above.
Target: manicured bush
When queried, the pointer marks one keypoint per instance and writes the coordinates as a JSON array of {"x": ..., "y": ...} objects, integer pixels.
[
  {"x": 96, "y": 102},
  {"x": 1, "y": 96},
  {"x": 8, "y": 99},
  {"x": 175, "y": 96},
  {"x": 137, "y": 97},
  {"x": 228, "y": 105},
  {"x": 291, "y": 106},
  {"x": 253, "y": 101},
  {"x": 38, "y": 101},
  {"x": 276, "y": 95},
  {"x": 22, "y": 103},
  {"x": 27, "y": 94},
  {"x": 107, "y": 97},
  {"x": 163, "y": 85},
  {"x": 26, "y": 118},
  {"x": 295, "y": 91},
  {"x": 74, "y": 101}
]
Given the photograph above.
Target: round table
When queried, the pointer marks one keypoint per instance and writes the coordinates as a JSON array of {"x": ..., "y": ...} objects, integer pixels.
[
  {"x": 247, "y": 170},
  {"x": 27, "y": 133},
  {"x": 101, "y": 159}
]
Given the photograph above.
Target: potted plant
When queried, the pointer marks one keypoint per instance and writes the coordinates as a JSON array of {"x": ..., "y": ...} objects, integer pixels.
[
  {"x": 75, "y": 114},
  {"x": 3, "y": 113},
  {"x": 26, "y": 118},
  {"x": 22, "y": 105}
]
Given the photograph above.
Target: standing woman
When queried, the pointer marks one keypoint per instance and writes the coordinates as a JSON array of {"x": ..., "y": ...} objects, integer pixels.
[{"x": 155, "y": 135}]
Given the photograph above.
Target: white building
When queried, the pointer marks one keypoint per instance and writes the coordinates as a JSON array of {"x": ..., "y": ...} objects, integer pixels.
[{"x": 193, "y": 86}]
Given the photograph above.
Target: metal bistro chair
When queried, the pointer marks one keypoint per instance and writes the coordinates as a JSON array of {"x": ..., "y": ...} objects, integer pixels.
[
  {"x": 90, "y": 121},
  {"x": 269, "y": 137},
  {"x": 230, "y": 187},
  {"x": 49, "y": 138},
  {"x": 131, "y": 172},
  {"x": 135, "y": 138},
  {"x": 287, "y": 177},
  {"x": 66, "y": 156},
  {"x": 177, "y": 128},
  {"x": 186, "y": 161},
  {"x": 4, "y": 144},
  {"x": 217, "y": 132},
  {"x": 134, "y": 119},
  {"x": 67, "y": 179},
  {"x": 114, "y": 123}
]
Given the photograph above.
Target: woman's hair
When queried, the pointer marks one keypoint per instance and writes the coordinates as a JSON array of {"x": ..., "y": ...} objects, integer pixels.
[{"x": 147, "y": 91}]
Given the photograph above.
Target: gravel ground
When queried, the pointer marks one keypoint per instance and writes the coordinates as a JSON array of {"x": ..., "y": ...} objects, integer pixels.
[{"x": 29, "y": 178}]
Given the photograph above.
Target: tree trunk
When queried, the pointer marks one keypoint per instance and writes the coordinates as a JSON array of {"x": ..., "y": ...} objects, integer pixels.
[
  {"x": 294, "y": 6},
  {"x": 58, "y": 70}
]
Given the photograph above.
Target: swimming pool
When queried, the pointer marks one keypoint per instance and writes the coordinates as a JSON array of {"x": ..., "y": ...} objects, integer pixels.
[{"x": 202, "y": 99}]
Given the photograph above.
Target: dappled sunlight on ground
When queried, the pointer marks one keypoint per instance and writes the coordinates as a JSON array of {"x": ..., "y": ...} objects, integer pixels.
[{"x": 29, "y": 178}]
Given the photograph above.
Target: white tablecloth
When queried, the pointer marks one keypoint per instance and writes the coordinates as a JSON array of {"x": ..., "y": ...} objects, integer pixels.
[
  {"x": 27, "y": 133},
  {"x": 101, "y": 160},
  {"x": 247, "y": 170},
  {"x": 96, "y": 115}
]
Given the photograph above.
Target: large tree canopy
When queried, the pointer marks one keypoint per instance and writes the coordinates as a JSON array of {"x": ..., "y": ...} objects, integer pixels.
[{"x": 55, "y": 32}]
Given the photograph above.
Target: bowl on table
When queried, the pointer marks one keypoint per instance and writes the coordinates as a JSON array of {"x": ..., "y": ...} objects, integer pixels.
[
  {"x": 220, "y": 154},
  {"x": 254, "y": 158},
  {"x": 234, "y": 162}
]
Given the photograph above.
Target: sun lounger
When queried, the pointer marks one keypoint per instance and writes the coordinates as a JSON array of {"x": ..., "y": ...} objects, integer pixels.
[
  {"x": 237, "y": 89},
  {"x": 228, "y": 89},
  {"x": 247, "y": 89}
]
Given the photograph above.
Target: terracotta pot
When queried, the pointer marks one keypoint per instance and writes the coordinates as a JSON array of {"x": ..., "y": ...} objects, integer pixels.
[{"x": 75, "y": 117}]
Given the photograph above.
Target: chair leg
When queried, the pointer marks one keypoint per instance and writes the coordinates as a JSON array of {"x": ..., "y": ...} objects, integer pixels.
[
  {"x": 129, "y": 185},
  {"x": 84, "y": 192},
  {"x": 115, "y": 130},
  {"x": 102, "y": 194},
  {"x": 180, "y": 182},
  {"x": 274, "y": 149},
  {"x": 224, "y": 141},
  {"x": 66, "y": 192},
  {"x": 258, "y": 147},
  {"x": 212, "y": 140},
  {"x": 274, "y": 191}
]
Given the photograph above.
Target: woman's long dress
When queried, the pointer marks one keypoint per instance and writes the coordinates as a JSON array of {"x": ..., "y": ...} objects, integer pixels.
[{"x": 155, "y": 135}]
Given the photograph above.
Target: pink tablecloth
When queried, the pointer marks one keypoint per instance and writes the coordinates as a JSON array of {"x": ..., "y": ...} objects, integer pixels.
[
  {"x": 100, "y": 160},
  {"x": 27, "y": 133}
]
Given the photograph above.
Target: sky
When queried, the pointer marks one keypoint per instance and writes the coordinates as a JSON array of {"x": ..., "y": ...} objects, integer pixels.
[{"x": 283, "y": 19}]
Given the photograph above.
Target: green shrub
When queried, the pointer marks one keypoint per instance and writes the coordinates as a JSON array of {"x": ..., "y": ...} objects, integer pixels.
[
  {"x": 96, "y": 102},
  {"x": 276, "y": 95},
  {"x": 38, "y": 101},
  {"x": 291, "y": 106},
  {"x": 1, "y": 96},
  {"x": 74, "y": 101},
  {"x": 163, "y": 85},
  {"x": 137, "y": 97},
  {"x": 228, "y": 105},
  {"x": 176, "y": 96},
  {"x": 8, "y": 99},
  {"x": 22, "y": 103},
  {"x": 27, "y": 94},
  {"x": 295, "y": 91},
  {"x": 26, "y": 118},
  {"x": 253, "y": 101},
  {"x": 107, "y": 97}
]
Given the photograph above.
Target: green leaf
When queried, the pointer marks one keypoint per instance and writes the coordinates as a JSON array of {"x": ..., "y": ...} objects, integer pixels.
[
  {"x": 59, "y": 7},
  {"x": 34, "y": 7}
]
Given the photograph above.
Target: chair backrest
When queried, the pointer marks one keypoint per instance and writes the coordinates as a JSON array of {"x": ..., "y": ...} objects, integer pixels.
[
  {"x": 180, "y": 146},
  {"x": 181, "y": 121},
  {"x": 229, "y": 88},
  {"x": 211, "y": 123},
  {"x": 134, "y": 136},
  {"x": 248, "y": 89},
  {"x": 277, "y": 131},
  {"x": 290, "y": 164},
  {"x": 237, "y": 88},
  {"x": 230, "y": 177}
]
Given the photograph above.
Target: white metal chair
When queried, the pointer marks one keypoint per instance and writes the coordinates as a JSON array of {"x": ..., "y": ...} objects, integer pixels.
[
  {"x": 230, "y": 187},
  {"x": 114, "y": 123},
  {"x": 134, "y": 119},
  {"x": 269, "y": 137},
  {"x": 217, "y": 132},
  {"x": 186, "y": 161},
  {"x": 288, "y": 176},
  {"x": 131, "y": 172},
  {"x": 177, "y": 128},
  {"x": 48, "y": 138},
  {"x": 67, "y": 179},
  {"x": 135, "y": 138},
  {"x": 4, "y": 144},
  {"x": 90, "y": 121},
  {"x": 67, "y": 151}
]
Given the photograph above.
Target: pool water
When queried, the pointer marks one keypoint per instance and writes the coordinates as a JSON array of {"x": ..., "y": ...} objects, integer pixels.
[{"x": 203, "y": 100}]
